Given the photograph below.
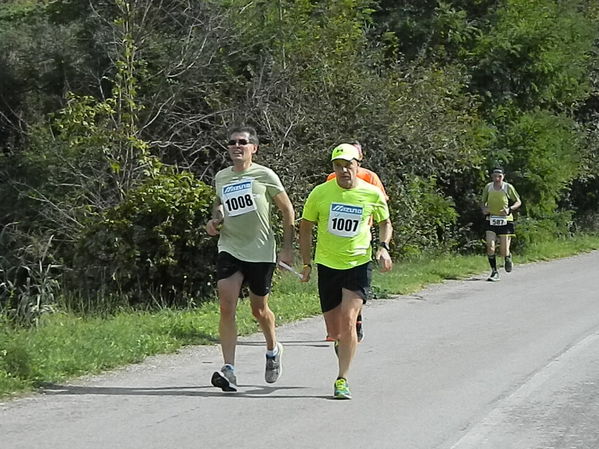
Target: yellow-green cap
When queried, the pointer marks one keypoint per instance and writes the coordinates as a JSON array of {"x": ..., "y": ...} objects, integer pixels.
[{"x": 346, "y": 152}]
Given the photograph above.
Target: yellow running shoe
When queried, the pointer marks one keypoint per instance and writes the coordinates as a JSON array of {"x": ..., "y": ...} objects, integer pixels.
[{"x": 342, "y": 389}]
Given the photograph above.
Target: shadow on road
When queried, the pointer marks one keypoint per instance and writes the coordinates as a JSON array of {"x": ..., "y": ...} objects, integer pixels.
[
  {"x": 312, "y": 343},
  {"x": 248, "y": 391}
]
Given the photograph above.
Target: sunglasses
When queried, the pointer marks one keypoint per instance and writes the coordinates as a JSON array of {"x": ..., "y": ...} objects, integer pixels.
[{"x": 233, "y": 142}]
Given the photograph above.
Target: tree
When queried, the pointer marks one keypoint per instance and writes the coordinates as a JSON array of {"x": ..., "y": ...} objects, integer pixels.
[
  {"x": 535, "y": 55},
  {"x": 543, "y": 157}
]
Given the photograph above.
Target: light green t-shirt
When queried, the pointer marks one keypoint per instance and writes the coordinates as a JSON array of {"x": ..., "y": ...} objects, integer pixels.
[
  {"x": 343, "y": 220},
  {"x": 247, "y": 199},
  {"x": 496, "y": 200}
]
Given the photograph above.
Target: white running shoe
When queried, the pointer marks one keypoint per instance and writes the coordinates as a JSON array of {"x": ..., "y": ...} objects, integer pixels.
[{"x": 274, "y": 367}]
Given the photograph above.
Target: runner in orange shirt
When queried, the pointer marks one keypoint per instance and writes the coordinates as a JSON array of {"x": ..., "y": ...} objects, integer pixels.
[{"x": 372, "y": 178}]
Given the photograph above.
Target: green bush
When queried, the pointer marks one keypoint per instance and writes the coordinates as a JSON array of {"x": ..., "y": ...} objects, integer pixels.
[
  {"x": 545, "y": 149},
  {"x": 423, "y": 218},
  {"x": 152, "y": 248},
  {"x": 537, "y": 230}
]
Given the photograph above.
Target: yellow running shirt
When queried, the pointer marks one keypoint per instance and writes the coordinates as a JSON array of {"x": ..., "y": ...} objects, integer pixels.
[{"x": 342, "y": 216}]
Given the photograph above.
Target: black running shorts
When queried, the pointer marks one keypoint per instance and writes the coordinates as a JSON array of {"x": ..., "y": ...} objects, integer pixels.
[
  {"x": 332, "y": 281},
  {"x": 257, "y": 275},
  {"x": 507, "y": 229}
]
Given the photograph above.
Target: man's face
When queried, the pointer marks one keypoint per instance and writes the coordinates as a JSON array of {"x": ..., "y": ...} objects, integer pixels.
[
  {"x": 240, "y": 148},
  {"x": 497, "y": 177},
  {"x": 346, "y": 172}
]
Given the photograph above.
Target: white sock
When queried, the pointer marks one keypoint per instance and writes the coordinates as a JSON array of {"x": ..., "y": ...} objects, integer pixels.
[{"x": 272, "y": 352}]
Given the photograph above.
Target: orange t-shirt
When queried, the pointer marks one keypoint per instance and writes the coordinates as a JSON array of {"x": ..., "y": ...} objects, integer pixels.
[{"x": 369, "y": 176}]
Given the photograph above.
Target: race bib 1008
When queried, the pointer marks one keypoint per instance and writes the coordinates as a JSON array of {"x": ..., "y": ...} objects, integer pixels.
[
  {"x": 238, "y": 198},
  {"x": 497, "y": 220},
  {"x": 344, "y": 219}
]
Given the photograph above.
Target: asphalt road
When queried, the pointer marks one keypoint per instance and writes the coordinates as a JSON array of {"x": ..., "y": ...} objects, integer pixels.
[{"x": 461, "y": 365}]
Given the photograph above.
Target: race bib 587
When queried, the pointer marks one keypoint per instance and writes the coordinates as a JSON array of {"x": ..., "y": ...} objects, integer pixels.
[
  {"x": 497, "y": 220},
  {"x": 238, "y": 198},
  {"x": 344, "y": 219}
]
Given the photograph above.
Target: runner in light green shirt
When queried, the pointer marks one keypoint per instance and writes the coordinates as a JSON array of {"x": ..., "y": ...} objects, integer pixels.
[
  {"x": 497, "y": 199},
  {"x": 247, "y": 197},
  {"x": 242, "y": 214},
  {"x": 495, "y": 206}
]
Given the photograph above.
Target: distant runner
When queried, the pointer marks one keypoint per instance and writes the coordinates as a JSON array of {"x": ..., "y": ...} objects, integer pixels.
[
  {"x": 499, "y": 219},
  {"x": 342, "y": 211},
  {"x": 246, "y": 248}
]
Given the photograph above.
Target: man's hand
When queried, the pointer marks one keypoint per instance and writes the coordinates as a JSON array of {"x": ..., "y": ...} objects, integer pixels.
[
  {"x": 306, "y": 273},
  {"x": 384, "y": 260},
  {"x": 213, "y": 226},
  {"x": 286, "y": 255}
]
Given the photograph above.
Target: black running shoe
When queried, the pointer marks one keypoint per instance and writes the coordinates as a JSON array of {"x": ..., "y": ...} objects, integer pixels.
[
  {"x": 494, "y": 276},
  {"x": 508, "y": 264}
]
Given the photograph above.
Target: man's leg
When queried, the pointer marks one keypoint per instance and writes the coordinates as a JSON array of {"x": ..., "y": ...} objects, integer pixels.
[
  {"x": 348, "y": 310},
  {"x": 504, "y": 241},
  {"x": 265, "y": 318},
  {"x": 331, "y": 319},
  {"x": 359, "y": 327},
  {"x": 228, "y": 294},
  {"x": 369, "y": 295},
  {"x": 491, "y": 238},
  {"x": 342, "y": 322},
  {"x": 504, "y": 245},
  {"x": 274, "y": 350}
]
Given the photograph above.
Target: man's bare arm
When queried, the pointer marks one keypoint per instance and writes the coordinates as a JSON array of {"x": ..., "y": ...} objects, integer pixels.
[
  {"x": 305, "y": 243},
  {"x": 382, "y": 255},
  {"x": 213, "y": 225},
  {"x": 288, "y": 214}
]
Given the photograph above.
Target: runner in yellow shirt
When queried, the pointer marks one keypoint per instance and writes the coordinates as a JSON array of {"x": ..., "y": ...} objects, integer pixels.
[
  {"x": 372, "y": 178},
  {"x": 496, "y": 208},
  {"x": 342, "y": 211}
]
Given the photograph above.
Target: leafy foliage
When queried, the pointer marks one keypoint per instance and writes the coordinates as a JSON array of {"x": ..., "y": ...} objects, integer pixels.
[
  {"x": 425, "y": 219},
  {"x": 152, "y": 247},
  {"x": 536, "y": 54},
  {"x": 533, "y": 231},
  {"x": 29, "y": 277},
  {"x": 543, "y": 149},
  {"x": 98, "y": 98}
]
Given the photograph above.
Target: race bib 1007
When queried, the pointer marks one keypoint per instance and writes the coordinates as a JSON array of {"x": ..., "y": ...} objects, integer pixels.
[
  {"x": 497, "y": 220},
  {"x": 344, "y": 219},
  {"x": 238, "y": 198}
]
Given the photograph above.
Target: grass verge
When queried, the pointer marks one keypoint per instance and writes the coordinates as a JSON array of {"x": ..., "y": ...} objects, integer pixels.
[{"x": 65, "y": 346}]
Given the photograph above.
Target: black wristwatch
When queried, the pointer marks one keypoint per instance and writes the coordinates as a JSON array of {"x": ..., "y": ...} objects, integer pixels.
[{"x": 385, "y": 245}]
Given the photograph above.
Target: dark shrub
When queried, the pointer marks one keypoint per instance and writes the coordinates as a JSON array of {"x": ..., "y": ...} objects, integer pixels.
[{"x": 152, "y": 247}]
